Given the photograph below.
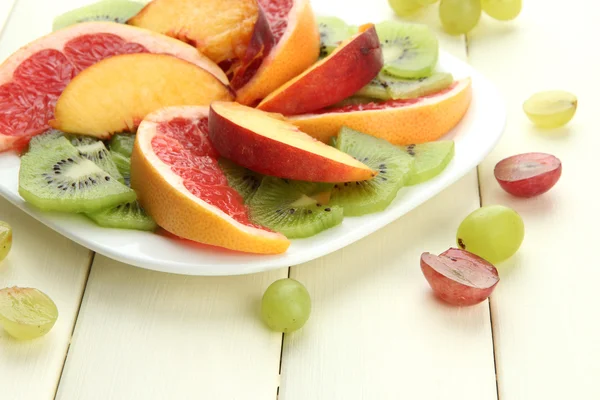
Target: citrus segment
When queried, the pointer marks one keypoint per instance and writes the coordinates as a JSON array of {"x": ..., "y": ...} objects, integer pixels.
[
  {"x": 297, "y": 47},
  {"x": 179, "y": 183},
  {"x": 34, "y": 76},
  {"x": 401, "y": 122},
  {"x": 115, "y": 94}
]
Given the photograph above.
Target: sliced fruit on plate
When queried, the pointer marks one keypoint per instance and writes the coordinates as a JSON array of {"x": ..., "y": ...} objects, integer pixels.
[
  {"x": 220, "y": 29},
  {"x": 122, "y": 143},
  {"x": 333, "y": 31},
  {"x": 244, "y": 181},
  {"x": 409, "y": 50},
  {"x": 296, "y": 48},
  {"x": 105, "y": 10},
  {"x": 394, "y": 168},
  {"x": 175, "y": 172},
  {"x": 58, "y": 178},
  {"x": 400, "y": 122},
  {"x": 430, "y": 159},
  {"x": 124, "y": 216},
  {"x": 387, "y": 87},
  {"x": 268, "y": 144},
  {"x": 295, "y": 208},
  {"x": 32, "y": 79},
  {"x": 115, "y": 94},
  {"x": 347, "y": 69}
]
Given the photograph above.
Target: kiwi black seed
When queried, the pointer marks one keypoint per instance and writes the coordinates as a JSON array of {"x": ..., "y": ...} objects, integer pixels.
[
  {"x": 410, "y": 50},
  {"x": 296, "y": 209},
  {"x": 58, "y": 178},
  {"x": 394, "y": 167},
  {"x": 95, "y": 151},
  {"x": 245, "y": 181},
  {"x": 105, "y": 10}
]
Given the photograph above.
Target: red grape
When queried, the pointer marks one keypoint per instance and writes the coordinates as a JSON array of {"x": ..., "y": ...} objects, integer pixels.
[
  {"x": 529, "y": 174},
  {"x": 460, "y": 281}
]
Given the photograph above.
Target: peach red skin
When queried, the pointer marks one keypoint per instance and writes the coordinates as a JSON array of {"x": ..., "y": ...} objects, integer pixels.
[
  {"x": 336, "y": 78},
  {"x": 274, "y": 158}
]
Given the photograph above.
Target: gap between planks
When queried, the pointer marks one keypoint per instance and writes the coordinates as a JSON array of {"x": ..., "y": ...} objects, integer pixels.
[{"x": 87, "y": 278}]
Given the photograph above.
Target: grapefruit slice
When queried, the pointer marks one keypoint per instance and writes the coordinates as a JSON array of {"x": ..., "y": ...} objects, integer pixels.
[
  {"x": 177, "y": 178},
  {"x": 401, "y": 122},
  {"x": 115, "y": 94},
  {"x": 32, "y": 79},
  {"x": 297, "y": 44}
]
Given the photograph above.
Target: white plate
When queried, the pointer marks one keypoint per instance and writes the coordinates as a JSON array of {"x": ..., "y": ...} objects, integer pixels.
[{"x": 475, "y": 137}]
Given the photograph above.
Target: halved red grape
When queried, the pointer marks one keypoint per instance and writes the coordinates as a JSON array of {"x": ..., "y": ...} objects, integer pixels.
[
  {"x": 529, "y": 174},
  {"x": 463, "y": 279}
]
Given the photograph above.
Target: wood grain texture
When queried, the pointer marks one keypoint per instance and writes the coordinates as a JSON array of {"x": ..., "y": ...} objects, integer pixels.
[
  {"x": 544, "y": 310},
  {"x": 376, "y": 331},
  {"x": 42, "y": 259},
  {"x": 149, "y": 335}
]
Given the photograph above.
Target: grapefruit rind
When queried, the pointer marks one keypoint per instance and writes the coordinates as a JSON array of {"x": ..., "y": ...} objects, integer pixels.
[
  {"x": 163, "y": 195},
  {"x": 115, "y": 94},
  {"x": 424, "y": 120},
  {"x": 297, "y": 50}
]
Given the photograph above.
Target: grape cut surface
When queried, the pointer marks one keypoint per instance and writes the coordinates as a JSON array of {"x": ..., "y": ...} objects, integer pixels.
[
  {"x": 529, "y": 174},
  {"x": 26, "y": 313}
]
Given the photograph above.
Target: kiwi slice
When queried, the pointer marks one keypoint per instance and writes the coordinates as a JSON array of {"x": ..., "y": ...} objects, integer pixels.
[
  {"x": 95, "y": 151},
  {"x": 106, "y": 10},
  {"x": 394, "y": 166},
  {"x": 296, "y": 209},
  {"x": 430, "y": 159},
  {"x": 122, "y": 143},
  {"x": 410, "y": 50},
  {"x": 124, "y": 216},
  {"x": 58, "y": 178},
  {"x": 123, "y": 164},
  {"x": 333, "y": 31},
  {"x": 45, "y": 140},
  {"x": 243, "y": 180},
  {"x": 387, "y": 87}
]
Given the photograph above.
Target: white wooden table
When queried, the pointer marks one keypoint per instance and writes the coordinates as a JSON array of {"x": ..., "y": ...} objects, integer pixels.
[{"x": 375, "y": 331}]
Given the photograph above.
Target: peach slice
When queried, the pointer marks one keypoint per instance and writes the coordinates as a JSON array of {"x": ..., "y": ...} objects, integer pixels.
[
  {"x": 115, "y": 94},
  {"x": 268, "y": 144},
  {"x": 220, "y": 29},
  {"x": 349, "y": 68}
]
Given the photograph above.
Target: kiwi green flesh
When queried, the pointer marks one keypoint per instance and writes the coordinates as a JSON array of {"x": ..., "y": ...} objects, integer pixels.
[
  {"x": 284, "y": 206},
  {"x": 60, "y": 179},
  {"x": 123, "y": 165},
  {"x": 386, "y": 87},
  {"x": 44, "y": 140},
  {"x": 243, "y": 180},
  {"x": 409, "y": 50},
  {"x": 124, "y": 216},
  {"x": 106, "y": 10},
  {"x": 122, "y": 143},
  {"x": 430, "y": 159},
  {"x": 394, "y": 168},
  {"x": 95, "y": 151},
  {"x": 333, "y": 31}
]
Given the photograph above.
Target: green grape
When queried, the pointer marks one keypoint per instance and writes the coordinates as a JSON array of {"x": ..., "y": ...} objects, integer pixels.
[
  {"x": 26, "y": 313},
  {"x": 5, "y": 239},
  {"x": 286, "y": 305},
  {"x": 550, "y": 109},
  {"x": 426, "y": 2},
  {"x": 405, "y": 8},
  {"x": 459, "y": 16},
  {"x": 503, "y": 10},
  {"x": 491, "y": 232}
]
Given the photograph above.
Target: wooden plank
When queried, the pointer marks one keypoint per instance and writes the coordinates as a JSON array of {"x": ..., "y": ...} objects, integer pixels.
[
  {"x": 544, "y": 309},
  {"x": 42, "y": 259},
  {"x": 376, "y": 331},
  {"x": 149, "y": 335}
]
